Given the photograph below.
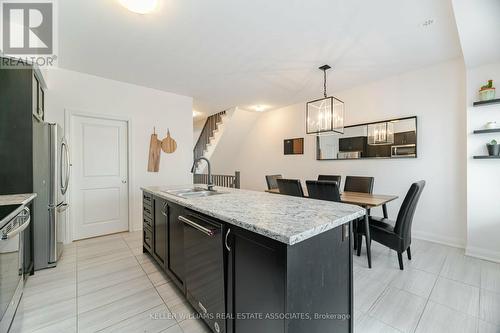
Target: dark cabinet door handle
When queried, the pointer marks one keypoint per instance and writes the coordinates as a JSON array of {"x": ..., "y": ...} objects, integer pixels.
[
  {"x": 198, "y": 227},
  {"x": 225, "y": 241},
  {"x": 164, "y": 211}
]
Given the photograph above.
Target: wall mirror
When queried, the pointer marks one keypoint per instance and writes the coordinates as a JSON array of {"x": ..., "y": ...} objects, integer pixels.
[{"x": 393, "y": 138}]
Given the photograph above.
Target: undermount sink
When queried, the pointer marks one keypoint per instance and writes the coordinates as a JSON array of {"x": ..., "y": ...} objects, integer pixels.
[{"x": 195, "y": 192}]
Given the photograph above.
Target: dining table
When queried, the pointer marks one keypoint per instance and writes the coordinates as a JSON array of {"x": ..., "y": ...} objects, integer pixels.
[{"x": 367, "y": 201}]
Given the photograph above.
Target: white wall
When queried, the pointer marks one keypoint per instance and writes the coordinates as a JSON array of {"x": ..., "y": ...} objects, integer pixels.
[
  {"x": 483, "y": 178},
  {"x": 197, "y": 128},
  {"x": 145, "y": 108},
  {"x": 435, "y": 94}
]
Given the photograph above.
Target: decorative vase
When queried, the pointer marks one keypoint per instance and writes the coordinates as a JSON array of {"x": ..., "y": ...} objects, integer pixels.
[
  {"x": 487, "y": 94},
  {"x": 491, "y": 125},
  {"x": 493, "y": 150}
]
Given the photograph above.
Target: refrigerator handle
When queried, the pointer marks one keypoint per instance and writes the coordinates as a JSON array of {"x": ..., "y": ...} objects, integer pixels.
[
  {"x": 52, "y": 234},
  {"x": 64, "y": 187}
]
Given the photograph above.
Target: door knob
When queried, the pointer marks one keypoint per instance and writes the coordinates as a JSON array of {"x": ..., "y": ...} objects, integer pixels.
[{"x": 124, "y": 181}]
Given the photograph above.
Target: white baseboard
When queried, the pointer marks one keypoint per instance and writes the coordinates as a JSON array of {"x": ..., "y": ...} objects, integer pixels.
[
  {"x": 483, "y": 254},
  {"x": 431, "y": 237}
]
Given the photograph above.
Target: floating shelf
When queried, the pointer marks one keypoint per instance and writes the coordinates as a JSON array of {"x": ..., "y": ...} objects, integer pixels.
[
  {"x": 486, "y": 157},
  {"x": 487, "y": 130},
  {"x": 491, "y": 101}
]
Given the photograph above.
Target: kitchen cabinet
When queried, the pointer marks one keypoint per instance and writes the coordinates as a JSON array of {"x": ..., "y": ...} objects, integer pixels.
[
  {"x": 160, "y": 230},
  {"x": 353, "y": 144},
  {"x": 378, "y": 151},
  {"x": 405, "y": 138},
  {"x": 163, "y": 235}
]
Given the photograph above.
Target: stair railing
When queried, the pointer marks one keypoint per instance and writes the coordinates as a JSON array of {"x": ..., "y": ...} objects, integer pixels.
[
  {"x": 231, "y": 181},
  {"x": 206, "y": 133}
]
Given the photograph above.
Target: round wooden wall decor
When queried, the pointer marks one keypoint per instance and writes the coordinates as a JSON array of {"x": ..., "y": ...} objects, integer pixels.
[{"x": 168, "y": 145}]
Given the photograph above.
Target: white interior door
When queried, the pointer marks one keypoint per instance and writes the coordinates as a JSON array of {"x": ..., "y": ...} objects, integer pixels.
[{"x": 100, "y": 173}]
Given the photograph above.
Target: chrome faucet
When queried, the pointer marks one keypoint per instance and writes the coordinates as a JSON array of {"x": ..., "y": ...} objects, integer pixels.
[{"x": 210, "y": 184}]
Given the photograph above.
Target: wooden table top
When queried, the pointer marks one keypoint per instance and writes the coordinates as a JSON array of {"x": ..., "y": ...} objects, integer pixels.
[{"x": 362, "y": 199}]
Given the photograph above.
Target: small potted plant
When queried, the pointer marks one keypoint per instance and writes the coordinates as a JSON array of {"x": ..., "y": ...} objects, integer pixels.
[
  {"x": 487, "y": 92},
  {"x": 493, "y": 148}
]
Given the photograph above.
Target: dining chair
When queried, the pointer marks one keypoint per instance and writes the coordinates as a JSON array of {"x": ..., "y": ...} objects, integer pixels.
[
  {"x": 333, "y": 178},
  {"x": 363, "y": 185},
  {"x": 396, "y": 235},
  {"x": 359, "y": 184},
  {"x": 323, "y": 190},
  {"x": 291, "y": 187},
  {"x": 271, "y": 181}
]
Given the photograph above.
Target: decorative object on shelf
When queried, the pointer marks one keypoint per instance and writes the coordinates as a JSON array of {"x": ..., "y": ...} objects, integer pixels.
[
  {"x": 168, "y": 145},
  {"x": 493, "y": 148},
  {"x": 325, "y": 115},
  {"x": 381, "y": 133},
  {"x": 487, "y": 92},
  {"x": 491, "y": 125},
  {"x": 294, "y": 146},
  {"x": 154, "y": 153}
]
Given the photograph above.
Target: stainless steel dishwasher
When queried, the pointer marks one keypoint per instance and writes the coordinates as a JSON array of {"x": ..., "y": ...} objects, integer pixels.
[{"x": 204, "y": 268}]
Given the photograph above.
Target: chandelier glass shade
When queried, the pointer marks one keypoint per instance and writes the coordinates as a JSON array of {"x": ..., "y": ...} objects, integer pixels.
[
  {"x": 326, "y": 115},
  {"x": 381, "y": 134}
]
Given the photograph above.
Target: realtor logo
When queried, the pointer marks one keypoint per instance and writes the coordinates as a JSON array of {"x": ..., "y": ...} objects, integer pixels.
[
  {"x": 27, "y": 28},
  {"x": 28, "y": 31}
]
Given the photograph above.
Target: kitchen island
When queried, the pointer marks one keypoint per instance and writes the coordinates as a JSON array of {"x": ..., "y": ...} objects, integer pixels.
[{"x": 252, "y": 261}]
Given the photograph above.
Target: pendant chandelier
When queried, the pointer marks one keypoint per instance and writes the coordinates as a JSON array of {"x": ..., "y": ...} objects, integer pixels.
[
  {"x": 325, "y": 115},
  {"x": 381, "y": 134}
]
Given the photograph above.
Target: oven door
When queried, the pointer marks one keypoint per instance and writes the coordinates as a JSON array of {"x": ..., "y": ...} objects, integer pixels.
[{"x": 11, "y": 267}]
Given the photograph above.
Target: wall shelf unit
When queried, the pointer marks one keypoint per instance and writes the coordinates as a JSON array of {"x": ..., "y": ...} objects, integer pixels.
[
  {"x": 490, "y": 102},
  {"x": 486, "y": 157},
  {"x": 487, "y": 130}
]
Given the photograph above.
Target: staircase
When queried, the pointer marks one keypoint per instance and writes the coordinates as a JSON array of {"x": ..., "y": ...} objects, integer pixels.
[{"x": 209, "y": 136}]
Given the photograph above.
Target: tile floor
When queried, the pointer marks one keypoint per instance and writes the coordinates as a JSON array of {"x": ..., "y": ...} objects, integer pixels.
[{"x": 107, "y": 284}]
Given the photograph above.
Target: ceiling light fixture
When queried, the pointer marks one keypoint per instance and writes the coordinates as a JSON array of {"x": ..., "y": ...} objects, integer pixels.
[
  {"x": 260, "y": 108},
  {"x": 325, "y": 115},
  {"x": 140, "y": 6}
]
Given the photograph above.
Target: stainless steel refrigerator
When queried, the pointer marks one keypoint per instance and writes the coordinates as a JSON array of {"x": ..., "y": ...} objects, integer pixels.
[{"x": 50, "y": 182}]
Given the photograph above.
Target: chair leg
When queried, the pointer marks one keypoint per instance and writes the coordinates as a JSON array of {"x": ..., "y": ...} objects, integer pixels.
[
  {"x": 400, "y": 259},
  {"x": 368, "y": 240},
  {"x": 408, "y": 252},
  {"x": 359, "y": 243},
  {"x": 355, "y": 238}
]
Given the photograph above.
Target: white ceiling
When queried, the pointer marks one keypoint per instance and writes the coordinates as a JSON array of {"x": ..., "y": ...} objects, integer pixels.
[
  {"x": 478, "y": 24},
  {"x": 229, "y": 53}
]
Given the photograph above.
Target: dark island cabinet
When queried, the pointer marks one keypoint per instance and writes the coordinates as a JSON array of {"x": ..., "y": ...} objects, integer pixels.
[
  {"x": 163, "y": 236},
  {"x": 263, "y": 285},
  {"x": 160, "y": 230},
  {"x": 273, "y": 287}
]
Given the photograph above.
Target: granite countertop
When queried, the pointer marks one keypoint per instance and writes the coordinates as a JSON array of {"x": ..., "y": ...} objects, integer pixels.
[
  {"x": 16, "y": 199},
  {"x": 287, "y": 219}
]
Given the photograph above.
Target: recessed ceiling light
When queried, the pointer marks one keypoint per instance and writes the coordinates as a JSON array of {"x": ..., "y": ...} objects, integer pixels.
[
  {"x": 427, "y": 23},
  {"x": 140, "y": 6},
  {"x": 260, "y": 108}
]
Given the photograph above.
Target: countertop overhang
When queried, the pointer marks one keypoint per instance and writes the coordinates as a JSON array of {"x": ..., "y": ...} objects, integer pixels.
[
  {"x": 284, "y": 218},
  {"x": 15, "y": 199}
]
